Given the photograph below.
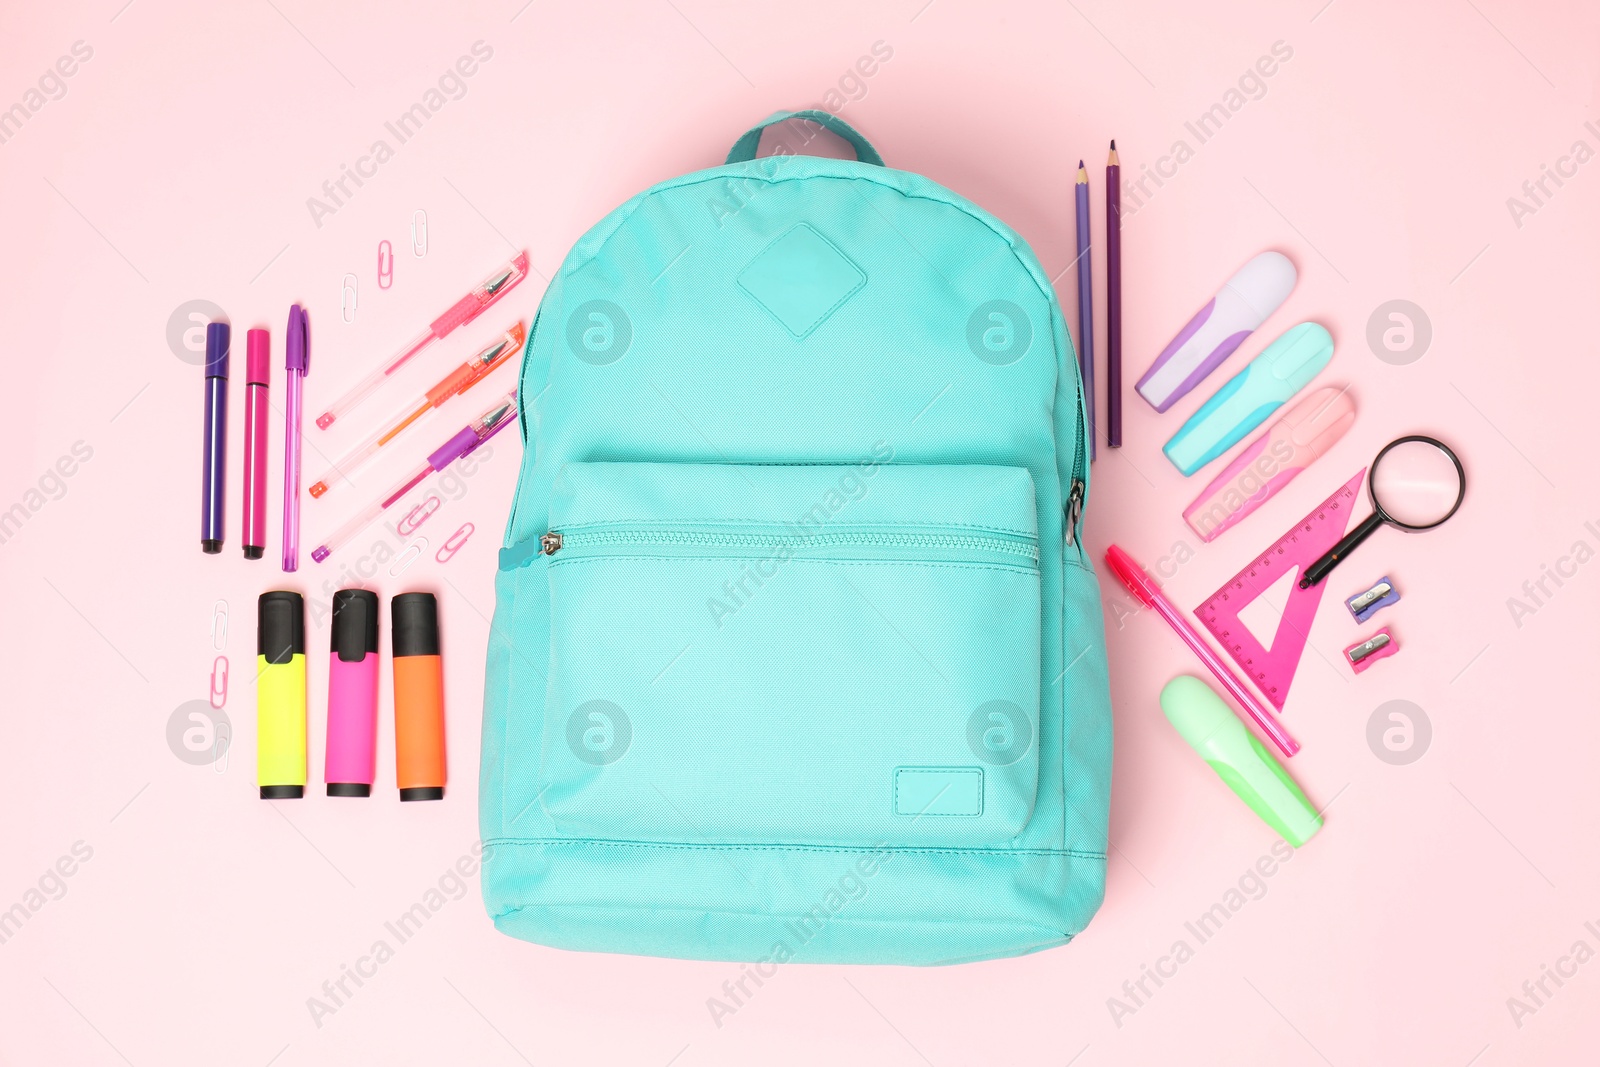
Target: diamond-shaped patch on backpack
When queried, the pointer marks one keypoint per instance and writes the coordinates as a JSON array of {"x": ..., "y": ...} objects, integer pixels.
[{"x": 801, "y": 278}]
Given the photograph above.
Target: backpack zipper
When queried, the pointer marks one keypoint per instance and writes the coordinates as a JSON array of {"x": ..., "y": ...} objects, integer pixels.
[
  {"x": 1015, "y": 548},
  {"x": 1080, "y": 479},
  {"x": 1074, "y": 509}
]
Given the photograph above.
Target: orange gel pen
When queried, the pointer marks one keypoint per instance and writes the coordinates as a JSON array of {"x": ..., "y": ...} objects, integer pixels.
[{"x": 496, "y": 354}]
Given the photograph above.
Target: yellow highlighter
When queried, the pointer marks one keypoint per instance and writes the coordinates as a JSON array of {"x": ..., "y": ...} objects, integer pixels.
[{"x": 281, "y": 695}]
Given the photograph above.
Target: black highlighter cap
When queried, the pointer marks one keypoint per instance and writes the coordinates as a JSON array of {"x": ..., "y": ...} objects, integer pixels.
[
  {"x": 280, "y": 626},
  {"x": 414, "y": 618},
  {"x": 355, "y": 624}
]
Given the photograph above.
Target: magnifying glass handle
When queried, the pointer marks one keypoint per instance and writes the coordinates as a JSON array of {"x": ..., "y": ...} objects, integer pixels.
[{"x": 1319, "y": 570}]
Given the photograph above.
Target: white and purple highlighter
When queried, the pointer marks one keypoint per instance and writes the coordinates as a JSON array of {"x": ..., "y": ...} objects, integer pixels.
[
  {"x": 1243, "y": 303},
  {"x": 1271, "y": 461}
]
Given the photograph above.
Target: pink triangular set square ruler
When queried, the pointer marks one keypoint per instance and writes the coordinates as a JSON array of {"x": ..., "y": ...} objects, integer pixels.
[{"x": 1272, "y": 668}]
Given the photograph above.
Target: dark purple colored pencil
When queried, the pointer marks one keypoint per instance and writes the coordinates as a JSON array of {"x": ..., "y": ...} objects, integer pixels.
[{"x": 1113, "y": 300}]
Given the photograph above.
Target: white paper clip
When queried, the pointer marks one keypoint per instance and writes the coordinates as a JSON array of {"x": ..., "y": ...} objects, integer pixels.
[
  {"x": 221, "y": 745},
  {"x": 219, "y": 682},
  {"x": 219, "y": 625},
  {"x": 348, "y": 297},
  {"x": 419, "y": 233},
  {"x": 454, "y": 543},
  {"x": 385, "y": 264},
  {"x": 404, "y": 560}
]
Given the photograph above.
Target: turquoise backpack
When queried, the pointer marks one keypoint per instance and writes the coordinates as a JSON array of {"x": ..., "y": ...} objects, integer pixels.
[{"x": 797, "y": 653}]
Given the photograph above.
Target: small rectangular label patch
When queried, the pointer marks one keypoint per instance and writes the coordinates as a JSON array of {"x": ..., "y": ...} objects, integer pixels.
[{"x": 938, "y": 791}]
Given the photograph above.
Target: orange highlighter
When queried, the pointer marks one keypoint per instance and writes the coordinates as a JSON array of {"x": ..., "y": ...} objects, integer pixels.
[{"x": 418, "y": 697}]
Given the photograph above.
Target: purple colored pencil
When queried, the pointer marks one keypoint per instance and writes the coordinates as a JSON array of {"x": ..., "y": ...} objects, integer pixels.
[
  {"x": 1085, "y": 301},
  {"x": 1113, "y": 300}
]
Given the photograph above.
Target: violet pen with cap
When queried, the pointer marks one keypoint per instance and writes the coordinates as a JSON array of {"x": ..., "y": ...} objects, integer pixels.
[
  {"x": 296, "y": 361},
  {"x": 213, "y": 464},
  {"x": 464, "y": 443}
]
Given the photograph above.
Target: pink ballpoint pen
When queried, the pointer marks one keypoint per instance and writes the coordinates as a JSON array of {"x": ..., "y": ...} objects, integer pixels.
[
  {"x": 462, "y": 312},
  {"x": 464, "y": 443},
  {"x": 297, "y": 361},
  {"x": 1144, "y": 587}
]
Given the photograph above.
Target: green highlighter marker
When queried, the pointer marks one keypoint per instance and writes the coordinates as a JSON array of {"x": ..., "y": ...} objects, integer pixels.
[{"x": 1214, "y": 731}]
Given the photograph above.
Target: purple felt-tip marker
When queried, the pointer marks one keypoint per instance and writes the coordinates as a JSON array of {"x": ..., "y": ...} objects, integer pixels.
[
  {"x": 1242, "y": 304},
  {"x": 213, "y": 465}
]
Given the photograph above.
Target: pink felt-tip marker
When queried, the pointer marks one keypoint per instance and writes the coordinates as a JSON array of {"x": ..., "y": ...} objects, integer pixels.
[
  {"x": 352, "y": 754},
  {"x": 258, "y": 354},
  {"x": 463, "y": 311},
  {"x": 1271, "y": 461},
  {"x": 1144, "y": 587}
]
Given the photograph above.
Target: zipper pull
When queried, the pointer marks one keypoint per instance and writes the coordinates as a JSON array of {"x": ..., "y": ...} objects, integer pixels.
[
  {"x": 548, "y": 543},
  {"x": 1074, "y": 510}
]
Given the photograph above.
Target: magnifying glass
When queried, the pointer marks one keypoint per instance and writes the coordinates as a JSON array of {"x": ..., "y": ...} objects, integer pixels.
[{"x": 1416, "y": 483}]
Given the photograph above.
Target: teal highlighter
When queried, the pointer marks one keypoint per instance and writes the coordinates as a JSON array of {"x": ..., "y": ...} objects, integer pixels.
[
  {"x": 1284, "y": 368},
  {"x": 1213, "y": 730}
]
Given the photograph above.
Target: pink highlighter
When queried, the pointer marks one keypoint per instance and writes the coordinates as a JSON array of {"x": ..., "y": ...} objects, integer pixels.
[
  {"x": 352, "y": 754},
  {"x": 1271, "y": 461}
]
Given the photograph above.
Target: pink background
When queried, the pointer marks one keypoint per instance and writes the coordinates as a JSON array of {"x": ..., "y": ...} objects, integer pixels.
[{"x": 1380, "y": 157}]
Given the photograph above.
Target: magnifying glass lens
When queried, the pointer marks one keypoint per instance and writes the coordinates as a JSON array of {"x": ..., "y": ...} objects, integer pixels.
[{"x": 1416, "y": 484}]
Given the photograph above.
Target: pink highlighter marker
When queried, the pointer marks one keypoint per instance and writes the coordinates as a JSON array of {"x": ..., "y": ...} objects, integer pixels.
[
  {"x": 352, "y": 755},
  {"x": 1271, "y": 461},
  {"x": 257, "y": 374},
  {"x": 1144, "y": 587}
]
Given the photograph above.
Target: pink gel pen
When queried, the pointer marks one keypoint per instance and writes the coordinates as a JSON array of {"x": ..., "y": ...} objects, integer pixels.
[
  {"x": 1144, "y": 587},
  {"x": 352, "y": 753},
  {"x": 462, "y": 312},
  {"x": 464, "y": 443},
  {"x": 1271, "y": 461}
]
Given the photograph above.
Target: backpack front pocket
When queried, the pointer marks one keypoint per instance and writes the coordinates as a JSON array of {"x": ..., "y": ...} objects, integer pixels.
[{"x": 791, "y": 654}]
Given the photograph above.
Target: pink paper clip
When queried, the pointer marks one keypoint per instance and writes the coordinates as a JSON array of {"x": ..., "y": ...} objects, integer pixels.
[
  {"x": 385, "y": 264},
  {"x": 417, "y": 516},
  {"x": 454, "y": 543},
  {"x": 219, "y": 682},
  {"x": 1364, "y": 654}
]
